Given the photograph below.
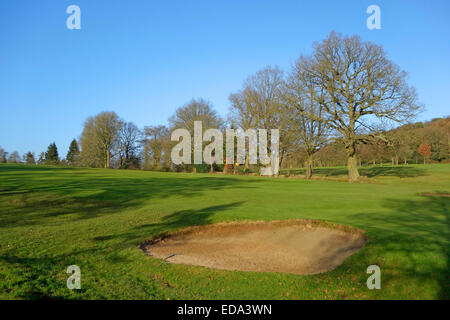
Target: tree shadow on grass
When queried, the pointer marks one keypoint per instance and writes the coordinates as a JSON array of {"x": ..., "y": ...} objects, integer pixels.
[
  {"x": 177, "y": 220},
  {"x": 418, "y": 233},
  {"x": 397, "y": 171},
  {"x": 45, "y": 277},
  {"x": 8, "y": 167},
  {"x": 34, "y": 277},
  {"x": 33, "y": 198},
  {"x": 373, "y": 171}
]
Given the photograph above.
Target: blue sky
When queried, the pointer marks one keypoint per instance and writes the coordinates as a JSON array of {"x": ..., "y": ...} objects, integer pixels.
[{"x": 143, "y": 58}]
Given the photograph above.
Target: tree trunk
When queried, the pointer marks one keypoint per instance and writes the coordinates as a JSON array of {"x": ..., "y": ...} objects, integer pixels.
[
  {"x": 352, "y": 162},
  {"x": 107, "y": 159},
  {"x": 280, "y": 161},
  {"x": 353, "y": 173},
  {"x": 309, "y": 167}
]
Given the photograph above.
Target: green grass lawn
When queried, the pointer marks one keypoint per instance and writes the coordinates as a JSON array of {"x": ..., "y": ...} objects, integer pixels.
[{"x": 51, "y": 218}]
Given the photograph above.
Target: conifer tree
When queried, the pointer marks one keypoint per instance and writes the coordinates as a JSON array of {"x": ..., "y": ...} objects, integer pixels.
[
  {"x": 73, "y": 154},
  {"x": 29, "y": 158},
  {"x": 51, "y": 156}
]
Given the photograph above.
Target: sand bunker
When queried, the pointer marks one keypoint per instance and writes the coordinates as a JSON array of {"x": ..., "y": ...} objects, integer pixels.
[{"x": 289, "y": 246}]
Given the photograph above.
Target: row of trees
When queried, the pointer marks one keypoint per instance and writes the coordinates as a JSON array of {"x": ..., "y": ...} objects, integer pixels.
[
  {"x": 401, "y": 145},
  {"x": 346, "y": 90},
  {"x": 332, "y": 106},
  {"x": 107, "y": 141},
  {"x": 50, "y": 157}
]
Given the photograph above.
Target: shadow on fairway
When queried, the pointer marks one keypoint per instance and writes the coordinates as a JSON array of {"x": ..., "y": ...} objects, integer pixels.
[
  {"x": 177, "y": 220},
  {"x": 21, "y": 168},
  {"x": 35, "y": 275},
  {"x": 37, "y": 196},
  {"x": 419, "y": 231},
  {"x": 397, "y": 171},
  {"x": 400, "y": 171}
]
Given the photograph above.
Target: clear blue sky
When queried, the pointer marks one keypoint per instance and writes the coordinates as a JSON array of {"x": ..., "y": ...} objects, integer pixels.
[{"x": 143, "y": 58}]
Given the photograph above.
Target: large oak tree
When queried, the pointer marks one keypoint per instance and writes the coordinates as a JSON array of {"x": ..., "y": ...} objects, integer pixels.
[{"x": 358, "y": 88}]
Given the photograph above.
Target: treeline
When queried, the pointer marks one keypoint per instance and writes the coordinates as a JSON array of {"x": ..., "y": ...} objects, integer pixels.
[
  {"x": 49, "y": 157},
  {"x": 332, "y": 107},
  {"x": 150, "y": 149},
  {"x": 401, "y": 145}
]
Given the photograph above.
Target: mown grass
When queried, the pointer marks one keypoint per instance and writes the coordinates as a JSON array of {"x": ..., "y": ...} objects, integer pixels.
[{"x": 51, "y": 218}]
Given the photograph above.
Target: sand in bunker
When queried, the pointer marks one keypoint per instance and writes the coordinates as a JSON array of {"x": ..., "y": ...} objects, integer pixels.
[{"x": 289, "y": 246}]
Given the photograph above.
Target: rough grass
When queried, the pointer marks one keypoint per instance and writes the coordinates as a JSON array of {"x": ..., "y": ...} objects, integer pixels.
[{"x": 51, "y": 218}]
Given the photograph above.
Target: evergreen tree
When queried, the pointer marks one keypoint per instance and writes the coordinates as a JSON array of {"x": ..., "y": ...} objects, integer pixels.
[
  {"x": 73, "y": 154},
  {"x": 51, "y": 156},
  {"x": 29, "y": 158}
]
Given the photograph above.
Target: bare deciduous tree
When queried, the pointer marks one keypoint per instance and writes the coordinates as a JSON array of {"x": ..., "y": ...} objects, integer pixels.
[
  {"x": 3, "y": 155},
  {"x": 196, "y": 110},
  {"x": 265, "y": 96},
  {"x": 14, "y": 157},
  {"x": 307, "y": 113},
  {"x": 128, "y": 147},
  {"x": 358, "y": 87},
  {"x": 243, "y": 114},
  {"x": 156, "y": 146},
  {"x": 99, "y": 139}
]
